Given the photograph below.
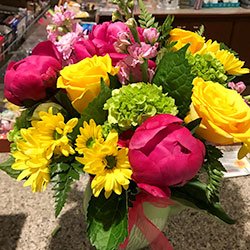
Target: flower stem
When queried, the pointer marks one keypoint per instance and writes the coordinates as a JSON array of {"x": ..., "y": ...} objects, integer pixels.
[{"x": 144, "y": 70}]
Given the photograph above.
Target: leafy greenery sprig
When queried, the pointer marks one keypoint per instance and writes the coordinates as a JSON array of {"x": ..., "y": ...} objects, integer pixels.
[
  {"x": 146, "y": 19},
  {"x": 214, "y": 170},
  {"x": 63, "y": 174},
  {"x": 124, "y": 11}
]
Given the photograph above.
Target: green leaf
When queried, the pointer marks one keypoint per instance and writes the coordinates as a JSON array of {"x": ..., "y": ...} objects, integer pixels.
[
  {"x": 165, "y": 30},
  {"x": 63, "y": 175},
  {"x": 193, "y": 194},
  {"x": 146, "y": 19},
  {"x": 107, "y": 221},
  {"x": 6, "y": 167},
  {"x": 114, "y": 83},
  {"x": 23, "y": 121},
  {"x": 64, "y": 101},
  {"x": 214, "y": 170},
  {"x": 95, "y": 109},
  {"x": 193, "y": 125},
  {"x": 225, "y": 47},
  {"x": 201, "y": 30},
  {"x": 174, "y": 75}
]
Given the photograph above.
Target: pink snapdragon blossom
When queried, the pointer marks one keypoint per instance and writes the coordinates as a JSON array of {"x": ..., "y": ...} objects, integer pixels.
[
  {"x": 60, "y": 15},
  {"x": 150, "y": 35},
  {"x": 122, "y": 43},
  {"x": 65, "y": 44},
  {"x": 128, "y": 73},
  {"x": 163, "y": 153},
  {"x": 239, "y": 86},
  {"x": 139, "y": 52}
]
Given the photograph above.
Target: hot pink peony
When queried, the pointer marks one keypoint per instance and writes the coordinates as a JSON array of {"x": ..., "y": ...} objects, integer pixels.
[
  {"x": 104, "y": 35},
  {"x": 31, "y": 79},
  {"x": 163, "y": 153}
]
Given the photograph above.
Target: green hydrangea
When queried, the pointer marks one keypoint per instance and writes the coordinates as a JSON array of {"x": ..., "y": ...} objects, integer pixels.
[
  {"x": 130, "y": 105},
  {"x": 207, "y": 67}
]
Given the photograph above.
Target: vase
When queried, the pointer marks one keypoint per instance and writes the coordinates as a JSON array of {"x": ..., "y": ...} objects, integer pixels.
[{"x": 159, "y": 216}]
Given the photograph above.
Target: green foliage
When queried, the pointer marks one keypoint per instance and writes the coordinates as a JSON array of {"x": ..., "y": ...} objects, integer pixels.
[
  {"x": 64, "y": 101},
  {"x": 23, "y": 121},
  {"x": 165, "y": 30},
  {"x": 124, "y": 11},
  {"x": 214, "y": 170},
  {"x": 107, "y": 221},
  {"x": 131, "y": 105},
  {"x": 174, "y": 75},
  {"x": 193, "y": 194},
  {"x": 193, "y": 125},
  {"x": 201, "y": 30},
  {"x": 225, "y": 47},
  {"x": 63, "y": 174},
  {"x": 95, "y": 109},
  {"x": 6, "y": 167},
  {"x": 146, "y": 19}
]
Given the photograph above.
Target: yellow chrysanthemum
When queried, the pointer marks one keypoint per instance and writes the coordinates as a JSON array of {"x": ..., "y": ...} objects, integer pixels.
[
  {"x": 89, "y": 135},
  {"x": 52, "y": 132},
  {"x": 31, "y": 160},
  {"x": 209, "y": 47},
  {"x": 232, "y": 65},
  {"x": 110, "y": 166}
]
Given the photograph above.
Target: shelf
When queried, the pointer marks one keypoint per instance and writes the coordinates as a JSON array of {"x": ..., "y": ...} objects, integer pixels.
[{"x": 17, "y": 39}]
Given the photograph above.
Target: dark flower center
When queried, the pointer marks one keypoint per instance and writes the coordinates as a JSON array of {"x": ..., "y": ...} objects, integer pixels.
[
  {"x": 56, "y": 135},
  {"x": 111, "y": 161},
  {"x": 90, "y": 142}
]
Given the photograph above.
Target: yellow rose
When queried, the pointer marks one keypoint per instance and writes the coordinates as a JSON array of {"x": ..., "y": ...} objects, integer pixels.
[
  {"x": 225, "y": 115},
  {"x": 183, "y": 37},
  {"x": 82, "y": 80}
]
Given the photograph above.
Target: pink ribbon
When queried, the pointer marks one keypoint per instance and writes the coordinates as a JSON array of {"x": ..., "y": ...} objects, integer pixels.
[{"x": 157, "y": 240}]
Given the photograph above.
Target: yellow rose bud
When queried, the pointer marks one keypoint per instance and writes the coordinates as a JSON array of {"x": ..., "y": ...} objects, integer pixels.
[
  {"x": 183, "y": 37},
  {"x": 225, "y": 115},
  {"x": 82, "y": 80}
]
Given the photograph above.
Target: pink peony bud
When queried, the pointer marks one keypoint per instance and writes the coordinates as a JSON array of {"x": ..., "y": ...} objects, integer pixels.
[
  {"x": 31, "y": 79},
  {"x": 163, "y": 153},
  {"x": 150, "y": 35}
]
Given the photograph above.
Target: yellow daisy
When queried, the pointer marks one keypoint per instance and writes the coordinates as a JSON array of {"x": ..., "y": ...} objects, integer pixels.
[
  {"x": 232, "y": 65},
  {"x": 209, "y": 47},
  {"x": 31, "y": 160},
  {"x": 89, "y": 135},
  {"x": 110, "y": 166},
  {"x": 52, "y": 132}
]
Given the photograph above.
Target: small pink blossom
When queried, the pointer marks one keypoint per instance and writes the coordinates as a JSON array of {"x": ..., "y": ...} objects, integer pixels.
[
  {"x": 128, "y": 73},
  {"x": 139, "y": 52},
  {"x": 60, "y": 16},
  {"x": 151, "y": 35},
  {"x": 123, "y": 41},
  {"x": 239, "y": 86},
  {"x": 65, "y": 44}
]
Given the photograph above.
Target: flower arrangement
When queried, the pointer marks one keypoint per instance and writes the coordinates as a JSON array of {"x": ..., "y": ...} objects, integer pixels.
[{"x": 140, "y": 108}]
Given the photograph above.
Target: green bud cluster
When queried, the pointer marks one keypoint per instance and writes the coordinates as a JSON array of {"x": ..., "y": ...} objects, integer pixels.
[
  {"x": 207, "y": 67},
  {"x": 130, "y": 105}
]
